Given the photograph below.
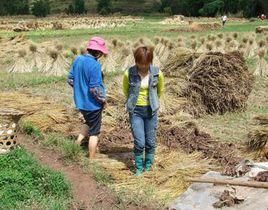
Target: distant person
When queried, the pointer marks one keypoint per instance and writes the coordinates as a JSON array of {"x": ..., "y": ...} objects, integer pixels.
[
  {"x": 263, "y": 17},
  {"x": 224, "y": 19},
  {"x": 89, "y": 92},
  {"x": 143, "y": 85}
]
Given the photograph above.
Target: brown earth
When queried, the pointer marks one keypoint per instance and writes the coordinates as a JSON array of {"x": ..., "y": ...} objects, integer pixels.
[{"x": 190, "y": 139}]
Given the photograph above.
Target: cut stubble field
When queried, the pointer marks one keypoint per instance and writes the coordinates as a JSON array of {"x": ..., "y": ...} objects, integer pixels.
[{"x": 231, "y": 127}]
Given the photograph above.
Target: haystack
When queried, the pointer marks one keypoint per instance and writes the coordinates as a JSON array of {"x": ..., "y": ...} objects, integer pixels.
[
  {"x": 21, "y": 65},
  {"x": 258, "y": 137},
  {"x": 219, "y": 83},
  {"x": 56, "y": 64},
  {"x": 262, "y": 65},
  {"x": 198, "y": 26},
  {"x": 179, "y": 63}
]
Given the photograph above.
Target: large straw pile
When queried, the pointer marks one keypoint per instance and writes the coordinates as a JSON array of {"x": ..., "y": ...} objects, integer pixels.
[
  {"x": 45, "y": 115},
  {"x": 198, "y": 26},
  {"x": 258, "y": 137},
  {"x": 219, "y": 83},
  {"x": 179, "y": 63}
]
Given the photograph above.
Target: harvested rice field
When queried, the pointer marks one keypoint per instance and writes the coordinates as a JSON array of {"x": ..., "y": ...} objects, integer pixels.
[{"x": 213, "y": 114}]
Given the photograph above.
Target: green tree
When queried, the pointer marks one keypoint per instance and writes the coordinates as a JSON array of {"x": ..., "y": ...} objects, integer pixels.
[
  {"x": 79, "y": 6},
  {"x": 15, "y": 7},
  {"x": 251, "y": 8},
  {"x": 41, "y": 8},
  {"x": 212, "y": 8},
  {"x": 104, "y": 7}
]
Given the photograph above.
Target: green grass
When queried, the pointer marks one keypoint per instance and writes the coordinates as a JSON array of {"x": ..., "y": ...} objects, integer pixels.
[
  {"x": 24, "y": 184},
  {"x": 70, "y": 152},
  {"x": 18, "y": 80},
  {"x": 149, "y": 27},
  {"x": 32, "y": 130}
]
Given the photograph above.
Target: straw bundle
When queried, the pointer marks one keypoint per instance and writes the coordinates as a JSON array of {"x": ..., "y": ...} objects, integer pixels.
[
  {"x": 112, "y": 60},
  {"x": 21, "y": 65},
  {"x": 36, "y": 58},
  {"x": 258, "y": 137},
  {"x": 252, "y": 46},
  {"x": 128, "y": 58},
  {"x": 262, "y": 65},
  {"x": 56, "y": 65},
  {"x": 220, "y": 83}
]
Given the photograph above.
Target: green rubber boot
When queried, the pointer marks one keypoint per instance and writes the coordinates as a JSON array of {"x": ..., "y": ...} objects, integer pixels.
[
  {"x": 139, "y": 164},
  {"x": 149, "y": 160}
]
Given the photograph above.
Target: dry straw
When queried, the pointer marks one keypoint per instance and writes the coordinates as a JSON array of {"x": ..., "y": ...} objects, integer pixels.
[
  {"x": 21, "y": 65},
  {"x": 258, "y": 137},
  {"x": 220, "y": 83}
]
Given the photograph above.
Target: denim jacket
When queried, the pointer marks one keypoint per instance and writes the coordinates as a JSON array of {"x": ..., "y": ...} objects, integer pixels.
[{"x": 134, "y": 89}]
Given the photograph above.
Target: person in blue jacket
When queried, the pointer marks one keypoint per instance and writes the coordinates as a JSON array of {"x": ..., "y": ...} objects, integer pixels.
[{"x": 89, "y": 91}]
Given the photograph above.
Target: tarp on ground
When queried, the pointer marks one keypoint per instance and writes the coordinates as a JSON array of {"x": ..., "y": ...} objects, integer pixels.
[{"x": 200, "y": 196}]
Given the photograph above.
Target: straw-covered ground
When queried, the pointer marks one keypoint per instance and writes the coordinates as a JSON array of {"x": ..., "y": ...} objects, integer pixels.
[{"x": 213, "y": 113}]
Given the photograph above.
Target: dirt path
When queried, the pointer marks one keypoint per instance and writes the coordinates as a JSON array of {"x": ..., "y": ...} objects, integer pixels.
[{"x": 87, "y": 193}]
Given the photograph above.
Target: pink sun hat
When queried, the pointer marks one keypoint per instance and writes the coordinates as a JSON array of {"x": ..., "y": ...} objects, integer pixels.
[{"x": 97, "y": 43}]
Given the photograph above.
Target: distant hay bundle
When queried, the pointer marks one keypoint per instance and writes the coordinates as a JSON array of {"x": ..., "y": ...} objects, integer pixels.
[
  {"x": 262, "y": 65},
  {"x": 219, "y": 83},
  {"x": 204, "y": 26},
  {"x": 21, "y": 65},
  {"x": 36, "y": 58},
  {"x": 56, "y": 64}
]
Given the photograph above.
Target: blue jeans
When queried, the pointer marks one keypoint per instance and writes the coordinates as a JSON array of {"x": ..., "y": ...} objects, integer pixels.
[{"x": 144, "y": 126}]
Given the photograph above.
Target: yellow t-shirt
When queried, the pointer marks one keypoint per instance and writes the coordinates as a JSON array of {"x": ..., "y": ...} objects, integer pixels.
[{"x": 143, "y": 98}]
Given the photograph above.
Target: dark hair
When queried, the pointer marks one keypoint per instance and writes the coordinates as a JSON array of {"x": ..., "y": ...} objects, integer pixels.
[
  {"x": 94, "y": 53},
  {"x": 144, "y": 55}
]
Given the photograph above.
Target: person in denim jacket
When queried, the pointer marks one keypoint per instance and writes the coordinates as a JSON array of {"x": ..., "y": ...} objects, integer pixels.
[
  {"x": 89, "y": 91},
  {"x": 143, "y": 84}
]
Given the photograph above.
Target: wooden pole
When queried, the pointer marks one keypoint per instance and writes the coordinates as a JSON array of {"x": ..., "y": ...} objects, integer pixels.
[{"x": 231, "y": 182}]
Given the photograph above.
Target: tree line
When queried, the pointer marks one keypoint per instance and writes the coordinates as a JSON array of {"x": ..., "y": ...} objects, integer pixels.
[
  {"x": 247, "y": 8},
  {"x": 211, "y": 8}
]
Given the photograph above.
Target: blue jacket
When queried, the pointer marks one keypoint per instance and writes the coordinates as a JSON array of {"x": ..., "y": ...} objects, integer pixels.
[
  {"x": 134, "y": 89},
  {"x": 86, "y": 78}
]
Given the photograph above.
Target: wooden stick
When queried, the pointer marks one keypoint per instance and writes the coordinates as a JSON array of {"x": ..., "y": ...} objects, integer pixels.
[{"x": 231, "y": 182}]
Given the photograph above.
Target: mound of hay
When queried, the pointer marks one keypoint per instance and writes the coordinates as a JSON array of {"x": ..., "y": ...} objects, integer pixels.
[
  {"x": 179, "y": 63},
  {"x": 219, "y": 83},
  {"x": 176, "y": 19},
  {"x": 198, "y": 26},
  {"x": 258, "y": 137},
  {"x": 47, "y": 116}
]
